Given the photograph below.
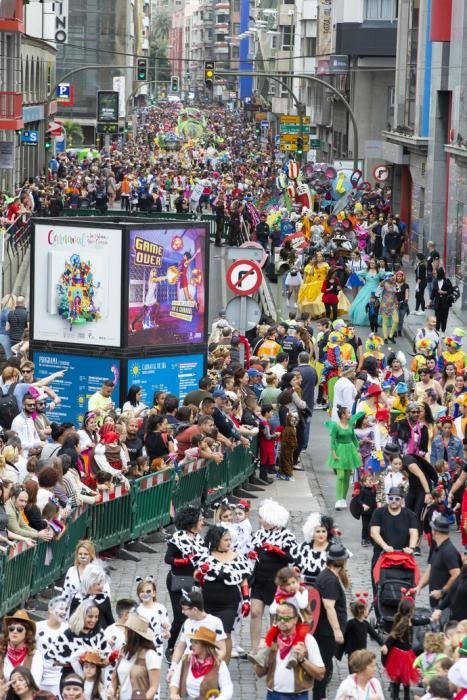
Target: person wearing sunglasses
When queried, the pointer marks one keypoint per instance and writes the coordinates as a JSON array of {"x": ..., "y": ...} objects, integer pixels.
[
  {"x": 17, "y": 646},
  {"x": 393, "y": 527},
  {"x": 284, "y": 679},
  {"x": 23, "y": 425}
]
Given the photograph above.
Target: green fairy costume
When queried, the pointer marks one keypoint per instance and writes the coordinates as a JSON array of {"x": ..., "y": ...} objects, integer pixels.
[{"x": 344, "y": 444}]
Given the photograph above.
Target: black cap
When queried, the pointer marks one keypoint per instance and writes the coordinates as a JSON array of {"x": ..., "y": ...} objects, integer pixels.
[{"x": 337, "y": 552}]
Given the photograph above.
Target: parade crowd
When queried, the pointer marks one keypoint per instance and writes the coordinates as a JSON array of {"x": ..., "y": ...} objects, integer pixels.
[{"x": 397, "y": 439}]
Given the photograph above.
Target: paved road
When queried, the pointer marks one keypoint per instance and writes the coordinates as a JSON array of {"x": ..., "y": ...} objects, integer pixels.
[{"x": 312, "y": 490}]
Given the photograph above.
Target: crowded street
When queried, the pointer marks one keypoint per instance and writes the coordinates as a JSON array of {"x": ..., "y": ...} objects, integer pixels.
[{"x": 233, "y": 421}]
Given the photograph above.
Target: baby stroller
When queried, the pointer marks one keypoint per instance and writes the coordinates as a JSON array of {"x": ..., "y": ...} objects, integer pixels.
[{"x": 392, "y": 572}]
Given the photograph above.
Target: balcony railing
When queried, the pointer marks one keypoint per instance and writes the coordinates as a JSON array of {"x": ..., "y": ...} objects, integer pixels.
[
  {"x": 11, "y": 16},
  {"x": 11, "y": 110}
]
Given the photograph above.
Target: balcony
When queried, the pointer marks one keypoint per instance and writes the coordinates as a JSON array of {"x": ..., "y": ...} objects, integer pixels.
[
  {"x": 11, "y": 111},
  {"x": 221, "y": 25},
  {"x": 222, "y": 7},
  {"x": 11, "y": 16},
  {"x": 405, "y": 137}
]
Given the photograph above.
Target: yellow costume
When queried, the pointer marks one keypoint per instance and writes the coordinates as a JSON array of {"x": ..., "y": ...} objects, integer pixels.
[
  {"x": 459, "y": 358},
  {"x": 309, "y": 295}
]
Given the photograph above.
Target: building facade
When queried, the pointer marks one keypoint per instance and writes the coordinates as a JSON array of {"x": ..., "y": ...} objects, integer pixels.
[
  {"x": 28, "y": 37},
  {"x": 424, "y": 143}
]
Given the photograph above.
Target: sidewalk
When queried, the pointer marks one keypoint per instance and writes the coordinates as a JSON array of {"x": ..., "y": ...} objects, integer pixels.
[{"x": 412, "y": 323}]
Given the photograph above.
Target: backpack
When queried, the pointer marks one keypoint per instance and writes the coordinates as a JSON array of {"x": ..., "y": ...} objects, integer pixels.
[{"x": 8, "y": 408}]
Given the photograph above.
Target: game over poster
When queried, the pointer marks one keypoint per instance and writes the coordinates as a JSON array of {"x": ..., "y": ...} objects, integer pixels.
[{"x": 167, "y": 286}]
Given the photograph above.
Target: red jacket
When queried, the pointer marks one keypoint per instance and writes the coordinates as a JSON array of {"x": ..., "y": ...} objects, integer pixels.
[{"x": 330, "y": 291}]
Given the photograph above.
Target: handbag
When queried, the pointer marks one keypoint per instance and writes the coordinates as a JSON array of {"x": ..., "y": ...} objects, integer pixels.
[{"x": 177, "y": 582}]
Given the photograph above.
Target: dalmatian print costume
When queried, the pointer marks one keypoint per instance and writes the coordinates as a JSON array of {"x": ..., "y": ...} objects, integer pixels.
[
  {"x": 158, "y": 621},
  {"x": 275, "y": 549},
  {"x": 221, "y": 587},
  {"x": 69, "y": 647},
  {"x": 310, "y": 561}
]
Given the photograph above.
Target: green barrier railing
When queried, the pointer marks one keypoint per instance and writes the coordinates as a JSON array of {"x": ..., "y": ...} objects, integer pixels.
[
  {"x": 121, "y": 517},
  {"x": 217, "y": 481},
  {"x": 17, "y": 577},
  {"x": 110, "y": 521},
  {"x": 152, "y": 496},
  {"x": 191, "y": 485}
]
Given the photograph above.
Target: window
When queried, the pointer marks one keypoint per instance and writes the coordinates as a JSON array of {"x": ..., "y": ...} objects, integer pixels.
[
  {"x": 391, "y": 102},
  {"x": 380, "y": 10},
  {"x": 272, "y": 89},
  {"x": 235, "y": 52},
  {"x": 288, "y": 35},
  {"x": 236, "y": 28},
  {"x": 236, "y": 6},
  {"x": 274, "y": 41},
  {"x": 309, "y": 46}
]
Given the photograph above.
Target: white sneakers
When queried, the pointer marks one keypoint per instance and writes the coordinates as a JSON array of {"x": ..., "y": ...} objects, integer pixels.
[{"x": 341, "y": 505}]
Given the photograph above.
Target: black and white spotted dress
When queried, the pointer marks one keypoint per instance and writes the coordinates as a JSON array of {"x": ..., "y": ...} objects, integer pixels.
[
  {"x": 221, "y": 588},
  {"x": 310, "y": 561},
  {"x": 70, "y": 646},
  {"x": 267, "y": 565}
]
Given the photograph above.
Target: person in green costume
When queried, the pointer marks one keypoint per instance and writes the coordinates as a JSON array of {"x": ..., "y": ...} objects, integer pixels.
[{"x": 344, "y": 456}]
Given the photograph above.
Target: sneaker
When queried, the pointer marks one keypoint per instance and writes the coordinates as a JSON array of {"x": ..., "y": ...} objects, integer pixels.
[
  {"x": 292, "y": 661},
  {"x": 289, "y": 478},
  {"x": 341, "y": 504},
  {"x": 260, "y": 658}
]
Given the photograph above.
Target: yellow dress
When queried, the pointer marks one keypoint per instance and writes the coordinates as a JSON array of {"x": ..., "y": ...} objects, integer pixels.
[{"x": 309, "y": 295}]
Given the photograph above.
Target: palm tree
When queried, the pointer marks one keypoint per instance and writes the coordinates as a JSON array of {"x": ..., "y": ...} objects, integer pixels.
[{"x": 74, "y": 133}]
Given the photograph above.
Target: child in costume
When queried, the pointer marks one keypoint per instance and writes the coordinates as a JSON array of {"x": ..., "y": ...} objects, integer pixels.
[
  {"x": 267, "y": 443},
  {"x": 358, "y": 628},
  {"x": 372, "y": 309},
  {"x": 433, "y": 645},
  {"x": 290, "y": 590},
  {"x": 400, "y": 402},
  {"x": 243, "y": 527},
  {"x": 366, "y": 438},
  {"x": 367, "y": 500},
  {"x": 400, "y": 657},
  {"x": 391, "y": 477},
  {"x": 288, "y": 446}
]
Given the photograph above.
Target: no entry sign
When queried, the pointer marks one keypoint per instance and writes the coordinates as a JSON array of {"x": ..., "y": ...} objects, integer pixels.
[{"x": 244, "y": 277}]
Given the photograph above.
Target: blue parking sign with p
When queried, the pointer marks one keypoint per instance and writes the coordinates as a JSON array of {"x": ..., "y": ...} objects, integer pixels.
[{"x": 63, "y": 91}]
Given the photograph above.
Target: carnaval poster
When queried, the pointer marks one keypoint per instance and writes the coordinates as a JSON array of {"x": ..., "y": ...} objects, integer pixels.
[
  {"x": 177, "y": 374},
  {"x": 83, "y": 377},
  {"x": 77, "y": 272},
  {"x": 167, "y": 286}
]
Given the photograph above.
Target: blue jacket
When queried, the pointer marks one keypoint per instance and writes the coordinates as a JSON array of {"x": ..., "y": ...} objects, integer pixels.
[{"x": 454, "y": 449}]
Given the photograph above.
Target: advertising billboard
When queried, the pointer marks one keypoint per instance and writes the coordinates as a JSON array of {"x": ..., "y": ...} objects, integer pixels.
[
  {"x": 167, "y": 286},
  {"x": 177, "y": 374},
  {"x": 83, "y": 377},
  {"x": 107, "y": 106},
  {"x": 76, "y": 283}
]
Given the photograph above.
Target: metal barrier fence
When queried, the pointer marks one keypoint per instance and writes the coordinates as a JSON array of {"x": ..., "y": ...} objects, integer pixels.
[{"x": 119, "y": 518}]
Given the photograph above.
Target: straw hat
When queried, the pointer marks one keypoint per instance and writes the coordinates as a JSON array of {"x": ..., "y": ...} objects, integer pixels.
[
  {"x": 93, "y": 657},
  {"x": 23, "y": 617},
  {"x": 139, "y": 625},
  {"x": 204, "y": 634}
]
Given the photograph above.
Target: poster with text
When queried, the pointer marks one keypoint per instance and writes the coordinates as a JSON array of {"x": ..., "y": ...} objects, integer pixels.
[
  {"x": 83, "y": 377},
  {"x": 178, "y": 374},
  {"x": 77, "y": 273},
  {"x": 167, "y": 294}
]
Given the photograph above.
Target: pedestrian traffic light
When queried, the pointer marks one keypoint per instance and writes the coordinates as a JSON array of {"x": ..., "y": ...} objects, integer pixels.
[
  {"x": 174, "y": 83},
  {"x": 142, "y": 69},
  {"x": 299, "y": 145},
  {"x": 48, "y": 142},
  {"x": 209, "y": 74},
  {"x": 258, "y": 130}
]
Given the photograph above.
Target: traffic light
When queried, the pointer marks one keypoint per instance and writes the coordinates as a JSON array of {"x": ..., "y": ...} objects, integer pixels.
[
  {"x": 174, "y": 83},
  {"x": 142, "y": 69},
  {"x": 299, "y": 145},
  {"x": 48, "y": 142},
  {"x": 209, "y": 74},
  {"x": 258, "y": 130}
]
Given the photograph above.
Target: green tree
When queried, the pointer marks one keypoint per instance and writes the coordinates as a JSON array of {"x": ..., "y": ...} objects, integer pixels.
[{"x": 74, "y": 133}]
